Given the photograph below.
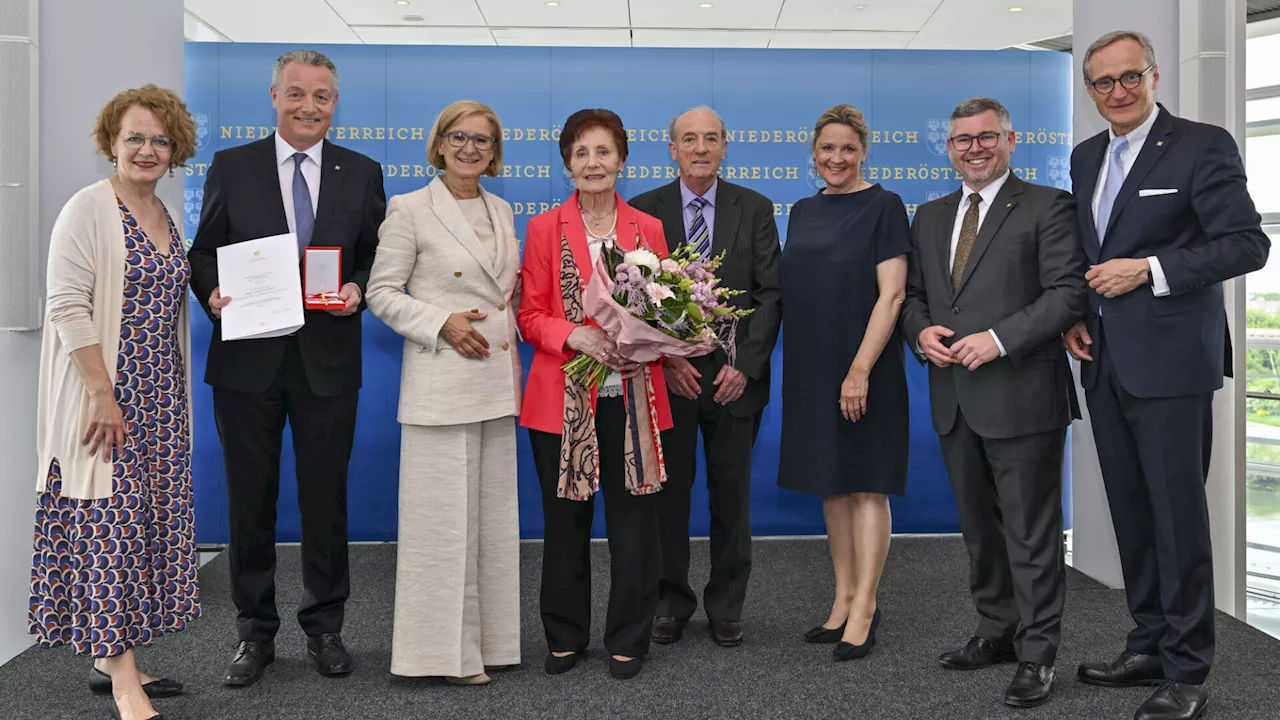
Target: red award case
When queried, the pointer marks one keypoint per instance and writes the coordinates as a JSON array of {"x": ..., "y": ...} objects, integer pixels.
[{"x": 322, "y": 278}]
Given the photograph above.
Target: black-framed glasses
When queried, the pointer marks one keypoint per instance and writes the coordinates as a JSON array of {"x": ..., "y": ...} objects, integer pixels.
[
  {"x": 986, "y": 141},
  {"x": 459, "y": 139},
  {"x": 1130, "y": 80}
]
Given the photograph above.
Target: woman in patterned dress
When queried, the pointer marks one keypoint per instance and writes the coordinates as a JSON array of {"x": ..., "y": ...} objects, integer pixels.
[{"x": 114, "y": 563}]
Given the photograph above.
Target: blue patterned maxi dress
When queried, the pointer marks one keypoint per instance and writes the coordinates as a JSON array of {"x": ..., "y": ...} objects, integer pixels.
[{"x": 113, "y": 574}]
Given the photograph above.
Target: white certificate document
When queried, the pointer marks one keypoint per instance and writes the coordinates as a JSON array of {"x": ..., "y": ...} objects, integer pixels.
[{"x": 262, "y": 279}]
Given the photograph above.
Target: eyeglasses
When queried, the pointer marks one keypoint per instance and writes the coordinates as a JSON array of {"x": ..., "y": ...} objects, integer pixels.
[
  {"x": 159, "y": 142},
  {"x": 459, "y": 139},
  {"x": 1130, "y": 80},
  {"x": 962, "y": 143}
]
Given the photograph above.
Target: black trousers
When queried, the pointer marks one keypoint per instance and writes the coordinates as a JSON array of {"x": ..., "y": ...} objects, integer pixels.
[
  {"x": 251, "y": 426},
  {"x": 727, "y": 441},
  {"x": 632, "y": 525},
  {"x": 1154, "y": 454},
  {"x": 1009, "y": 494}
]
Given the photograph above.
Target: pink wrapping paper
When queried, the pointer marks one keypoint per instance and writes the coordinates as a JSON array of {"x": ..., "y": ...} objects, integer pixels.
[{"x": 637, "y": 341}]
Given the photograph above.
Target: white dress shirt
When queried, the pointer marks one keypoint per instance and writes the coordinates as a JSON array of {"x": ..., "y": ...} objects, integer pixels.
[
  {"x": 1137, "y": 138},
  {"x": 988, "y": 195},
  {"x": 310, "y": 172}
]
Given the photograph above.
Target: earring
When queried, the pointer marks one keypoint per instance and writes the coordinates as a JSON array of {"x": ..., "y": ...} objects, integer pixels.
[
  {"x": 170, "y": 171},
  {"x": 114, "y": 163}
]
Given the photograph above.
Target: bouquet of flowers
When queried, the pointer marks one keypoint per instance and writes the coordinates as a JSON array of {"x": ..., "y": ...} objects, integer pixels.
[{"x": 652, "y": 308}]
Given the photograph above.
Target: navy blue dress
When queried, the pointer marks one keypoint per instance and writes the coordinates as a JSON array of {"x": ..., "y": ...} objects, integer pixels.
[{"x": 829, "y": 288}]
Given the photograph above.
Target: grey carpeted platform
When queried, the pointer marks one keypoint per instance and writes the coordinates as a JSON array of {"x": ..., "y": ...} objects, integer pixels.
[{"x": 772, "y": 675}]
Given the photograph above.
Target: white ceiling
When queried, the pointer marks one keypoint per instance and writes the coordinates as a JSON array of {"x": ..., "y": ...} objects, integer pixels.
[{"x": 915, "y": 24}]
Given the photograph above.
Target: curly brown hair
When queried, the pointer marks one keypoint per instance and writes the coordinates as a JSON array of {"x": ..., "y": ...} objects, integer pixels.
[{"x": 165, "y": 104}]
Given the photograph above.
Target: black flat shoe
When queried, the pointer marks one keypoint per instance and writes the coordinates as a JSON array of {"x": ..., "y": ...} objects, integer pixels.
[
  {"x": 115, "y": 714},
  {"x": 625, "y": 669},
  {"x": 668, "y": 629},
  {"x": 556, "y": 664},
  {"x": 844, "y": 651},
  {"x": 822, "y": 636},
  {"x": 1174, "y": 701},
  {"x": 100, "y": 684}
]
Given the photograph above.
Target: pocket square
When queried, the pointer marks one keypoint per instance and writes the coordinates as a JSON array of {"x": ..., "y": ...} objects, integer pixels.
[{"x": 1149, "y": 192}]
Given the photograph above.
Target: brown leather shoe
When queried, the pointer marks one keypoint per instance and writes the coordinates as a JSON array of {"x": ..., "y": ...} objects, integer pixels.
[
  {"x": 726, "y": 633},
  {"x": 668, "y": 629}
]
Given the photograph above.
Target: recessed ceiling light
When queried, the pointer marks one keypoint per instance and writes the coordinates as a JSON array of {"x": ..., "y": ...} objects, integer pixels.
[
  {"x": 553, "y": 3},
  {"x": 704, "y": 6},
  {"x": 1015, "y": 9},
  {"x": 860, "y": 7},
  {"x": 402, "y": 2},
  {"x": 413, "y": 18}
]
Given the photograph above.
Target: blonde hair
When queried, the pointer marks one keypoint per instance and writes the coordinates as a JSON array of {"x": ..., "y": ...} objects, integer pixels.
[
  {"x": 166, "y": 105},
  {"x": 842, "y": 114},
  {"x": 451, "y": 116}
]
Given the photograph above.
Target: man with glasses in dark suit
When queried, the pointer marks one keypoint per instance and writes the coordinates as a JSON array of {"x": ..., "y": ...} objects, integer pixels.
[
  {"x": 1165, "y": 218},
  {"x": 724, "y": 400}
]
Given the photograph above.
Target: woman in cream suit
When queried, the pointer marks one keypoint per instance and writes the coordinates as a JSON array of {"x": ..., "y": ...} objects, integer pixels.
[{"x": 452, "y": 246}]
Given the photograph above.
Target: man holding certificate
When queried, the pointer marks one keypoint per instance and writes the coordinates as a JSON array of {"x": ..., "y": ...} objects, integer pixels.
[{"x": 281, "y": 268}]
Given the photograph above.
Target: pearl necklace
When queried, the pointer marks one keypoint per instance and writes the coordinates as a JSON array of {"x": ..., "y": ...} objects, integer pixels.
[{"x": 585, "y": 225}]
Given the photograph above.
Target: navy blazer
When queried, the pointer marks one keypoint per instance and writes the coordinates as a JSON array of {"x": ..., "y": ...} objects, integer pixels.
[{"x": 1205, "y": 231}]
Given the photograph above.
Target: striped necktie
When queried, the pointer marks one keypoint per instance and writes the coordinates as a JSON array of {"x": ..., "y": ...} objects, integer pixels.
[
  {"x": 1111, "y": 188},
  {"x": 699, "y": 233}
]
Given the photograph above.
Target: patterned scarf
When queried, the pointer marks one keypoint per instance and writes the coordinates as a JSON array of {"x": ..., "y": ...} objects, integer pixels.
[{"x": 579, "y": 449}]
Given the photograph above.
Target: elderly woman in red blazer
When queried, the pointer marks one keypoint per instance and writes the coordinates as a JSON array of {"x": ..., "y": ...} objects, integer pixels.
[{"x": 583, "y": 438}]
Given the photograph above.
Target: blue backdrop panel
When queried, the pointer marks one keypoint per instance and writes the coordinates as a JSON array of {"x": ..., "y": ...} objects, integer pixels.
[{"x": 389, "y": 97}]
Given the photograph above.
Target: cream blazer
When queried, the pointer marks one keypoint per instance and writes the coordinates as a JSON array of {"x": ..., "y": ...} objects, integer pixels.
[
  {"x": 429, "y": 265},
  {"x": 85, "y": 294}
]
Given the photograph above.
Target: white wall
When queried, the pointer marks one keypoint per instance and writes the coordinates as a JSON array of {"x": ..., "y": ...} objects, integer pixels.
[{"x": 89, "y": 51}]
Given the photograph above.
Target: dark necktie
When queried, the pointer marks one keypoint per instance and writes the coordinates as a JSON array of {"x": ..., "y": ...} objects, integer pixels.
[
  {"x": 304, "y": 218},
  {"x": 699, "y": 233},
  {"x": 968, "y": 233}
]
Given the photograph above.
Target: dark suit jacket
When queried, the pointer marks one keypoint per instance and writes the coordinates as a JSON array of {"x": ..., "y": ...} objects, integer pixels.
[
  {"x": 1205, "y": 232},
  {"x": 744, "y": 227},
  {"x": 1025, "y": 280},
  {"x": 242, "y": 201}
]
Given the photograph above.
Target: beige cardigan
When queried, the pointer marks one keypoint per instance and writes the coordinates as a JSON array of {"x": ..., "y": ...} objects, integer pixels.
[
  {"x": 427, "y": 247},
  {"x": 85, "y": 294}
]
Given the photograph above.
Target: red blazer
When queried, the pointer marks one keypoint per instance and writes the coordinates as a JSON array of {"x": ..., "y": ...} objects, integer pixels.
[{"x": 541, "y": 315}]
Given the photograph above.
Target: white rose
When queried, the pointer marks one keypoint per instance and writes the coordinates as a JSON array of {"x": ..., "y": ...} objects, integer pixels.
[
  {"x": 641, "y": 258},
  {"x": 658, "y": 293}
]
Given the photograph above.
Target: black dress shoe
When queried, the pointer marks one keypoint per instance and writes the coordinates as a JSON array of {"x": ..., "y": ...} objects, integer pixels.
[
  {"x": 848, "y": 651},
  {"x": 668, "y": 629},
  {"x": 625, "y": 669},
  {"x": 1174, "y": 701},
  {"x": 251, "y": 659},
  {"x": 726, "y": 633},
  {"x": 820, "y": 635},
  {"x": 1031, "y": 685},
  {"x": 554, "y": 665},
  {"x": 331, "y": 658},
  {"x": 1129, "y": 670},
  {"x": 100, "y": 684},
  {"x": 979, "y": 653}
]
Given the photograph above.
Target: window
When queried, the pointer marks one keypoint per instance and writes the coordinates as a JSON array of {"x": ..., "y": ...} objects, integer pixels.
[{"x": 1262, "y": 288}]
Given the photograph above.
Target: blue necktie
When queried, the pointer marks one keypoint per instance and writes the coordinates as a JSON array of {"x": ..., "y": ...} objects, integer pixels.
[
  {"x": 303, "y": 216},
  {"x": 699, "y": 233},
  {"x": 1115, "y": 178}
]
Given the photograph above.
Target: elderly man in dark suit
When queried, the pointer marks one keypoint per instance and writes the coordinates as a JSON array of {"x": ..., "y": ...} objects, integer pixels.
[
  {"x": 724, "y": 400},
  {"x": 996, "y": 276},
  {"x": 1163, "y": 204},
  {"x": 292, "y": 182}
]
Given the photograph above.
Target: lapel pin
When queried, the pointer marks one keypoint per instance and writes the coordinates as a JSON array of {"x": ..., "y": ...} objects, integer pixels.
[
  {"x": 337, "y": 167},
  {"x": 1159, "y": 143},
  {"x": 1009, "y": 205}
]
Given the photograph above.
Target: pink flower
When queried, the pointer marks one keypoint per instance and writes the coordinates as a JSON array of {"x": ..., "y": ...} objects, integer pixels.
[
  {"x": 658, "y": 293},
  {"x": 670, "y": 266}
]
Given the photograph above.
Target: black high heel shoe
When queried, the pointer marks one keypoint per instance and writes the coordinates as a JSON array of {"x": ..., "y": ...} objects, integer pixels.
[
  {"x": 100, "y": 684},
  {"x": 848, "y": 651},
  {"x": 821, "y": 635},
  {"x": 115, "y": 714}
]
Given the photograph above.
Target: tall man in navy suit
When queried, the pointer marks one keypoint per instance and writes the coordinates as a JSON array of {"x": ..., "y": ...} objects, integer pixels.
[{"x": 1165, "y": 218}]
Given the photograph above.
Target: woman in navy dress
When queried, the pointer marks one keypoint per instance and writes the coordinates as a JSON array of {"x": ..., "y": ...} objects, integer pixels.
[{"x": 844, "y": 390}]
